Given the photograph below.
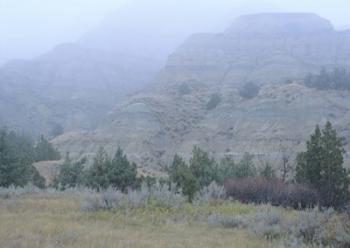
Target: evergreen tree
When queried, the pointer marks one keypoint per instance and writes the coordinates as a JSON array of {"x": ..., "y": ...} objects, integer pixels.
[
  {"x": 44, "y": 151},
  {"x": 181, "y": 175},
  {"x": 16, "y": 159},
  {"x": 227, "y": 169},
  {"x": 202, "y": 167},
  {"x": 117, "y": 172},
  {"x": 245, "y": 167},
  {"x": 97, "y": 176},
  {"x": 121, "y": 173},
  {"x": 309, "y": 163},
  {"x": 70, "y": 174},
  {"x": 268, "y": 172},
  {"x": 322, "y": 166}
]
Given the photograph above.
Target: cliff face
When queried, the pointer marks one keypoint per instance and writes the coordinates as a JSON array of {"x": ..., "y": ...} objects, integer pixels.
[{"x": 267, "y": 49}]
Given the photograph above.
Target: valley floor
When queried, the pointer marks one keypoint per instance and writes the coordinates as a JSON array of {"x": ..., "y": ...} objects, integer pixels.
[
  {"x": 45, "y": 220},
  {"x": 59, "y": 219}
]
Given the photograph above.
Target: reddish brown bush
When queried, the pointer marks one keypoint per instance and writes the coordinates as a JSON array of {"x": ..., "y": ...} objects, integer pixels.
[{"x": 275, "y": 192}]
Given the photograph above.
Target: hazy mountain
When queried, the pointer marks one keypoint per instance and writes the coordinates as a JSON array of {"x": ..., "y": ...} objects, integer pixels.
[
  {"x": 70, "y": 85},
  {"x": 265, "y": 48},
  {"x": 75, "y": 85},
  {"x": 155, "y": 28}
]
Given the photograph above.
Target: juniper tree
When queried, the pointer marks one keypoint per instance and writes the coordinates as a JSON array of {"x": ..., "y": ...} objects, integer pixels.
[
  {"x": 245, "y": 167},
  {"x": 122, "y": 173},
  {"x": 45, "y": 151},
  {"x": 70, "y": 174},
  {"x": 97, "y": 175},
  {"x": 181, "y": 175},
  {"x": 16, "y": 159},
  {"x": 203, "y": 167},
  {"x": 227, "y": 169},
  {"x": 268, "y": 172},
  {"x": 106, "y": 172},
  {"x": 322, "y": 166}
]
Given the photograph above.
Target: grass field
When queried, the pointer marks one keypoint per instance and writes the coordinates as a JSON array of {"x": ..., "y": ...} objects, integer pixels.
[
  {"x": 46, "y": 220},
  {"x": 57, "y": 220}
]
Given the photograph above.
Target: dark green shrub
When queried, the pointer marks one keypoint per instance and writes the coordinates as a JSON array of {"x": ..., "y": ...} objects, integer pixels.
[
  {"x": 214, "y": 101},
  {"x": 184, "y": 89},
  {"x": 249, "y": 90}
]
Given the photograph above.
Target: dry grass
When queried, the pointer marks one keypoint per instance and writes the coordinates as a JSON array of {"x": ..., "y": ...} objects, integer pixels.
[{"x": 44, "y": 220}]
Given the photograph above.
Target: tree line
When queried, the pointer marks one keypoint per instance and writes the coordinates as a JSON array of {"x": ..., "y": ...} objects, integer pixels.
[
  {"x": 17, "y": 155},
  {"x": 320, "y": 176}
]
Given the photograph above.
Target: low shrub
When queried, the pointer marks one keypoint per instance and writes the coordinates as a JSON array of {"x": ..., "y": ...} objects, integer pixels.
[
  {"x": 276, "y": 192},
  {"x": 322, "y": 228},
  {"x": 232, "y": 221},
  {"x": 266, "y": 223},
  {"x": 249, "y": 90},
  {"x": 10, "y": 191},
  {"x": 214, "y": 101},
  {"x": 309, "y": 228},
  {"x": 184, "y": 89},
  {"x": 159, "y": 196},
  {"x": 210, "y": 194}
]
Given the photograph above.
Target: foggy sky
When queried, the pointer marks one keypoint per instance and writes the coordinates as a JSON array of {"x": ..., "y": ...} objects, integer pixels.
[{"x": 28, "y": 28}]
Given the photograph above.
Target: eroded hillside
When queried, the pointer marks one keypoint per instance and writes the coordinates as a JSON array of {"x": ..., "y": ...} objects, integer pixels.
[{"x": 172, "y": 114}]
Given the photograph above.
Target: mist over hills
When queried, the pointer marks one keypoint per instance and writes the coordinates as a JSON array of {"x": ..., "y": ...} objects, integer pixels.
[
  {"x": 268, "y": 49},
  {"x": 70, "y": 85},
  {"x": 75, "y": 85},
  {"x": 125, "y": 84}
]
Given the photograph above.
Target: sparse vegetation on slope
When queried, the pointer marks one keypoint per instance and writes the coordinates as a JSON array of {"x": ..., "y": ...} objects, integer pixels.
[{"x": 336, "y": 79}]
